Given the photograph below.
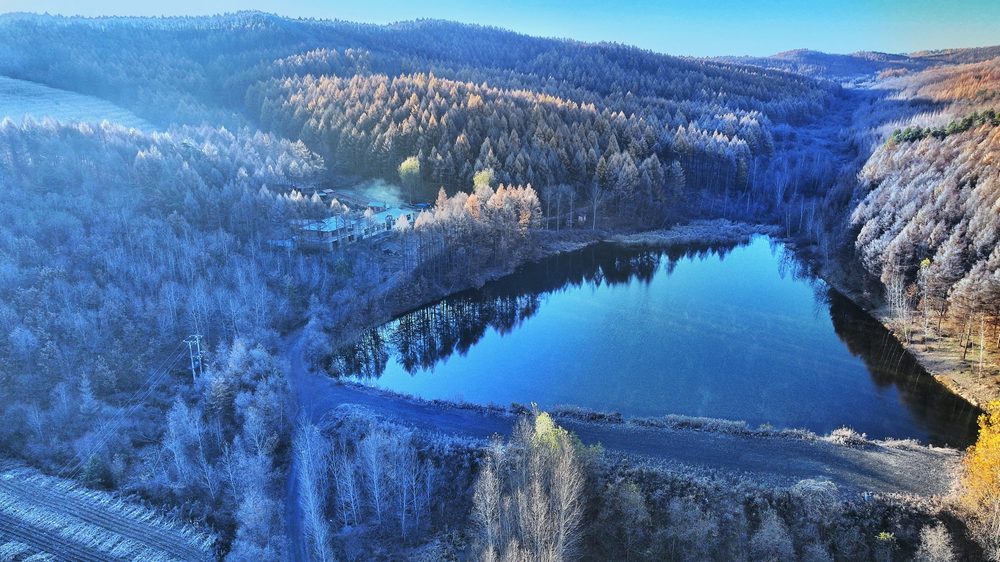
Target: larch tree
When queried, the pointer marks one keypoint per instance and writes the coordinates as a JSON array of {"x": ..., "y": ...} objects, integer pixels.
[
  {"x": 981, "y": 481},
  {"x": 409, "y": 176}
]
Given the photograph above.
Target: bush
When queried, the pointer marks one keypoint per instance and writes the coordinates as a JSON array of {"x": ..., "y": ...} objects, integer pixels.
[{"x": 849, "y": 438}]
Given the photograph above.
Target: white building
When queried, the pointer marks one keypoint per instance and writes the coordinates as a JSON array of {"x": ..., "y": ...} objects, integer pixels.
[{"x": 338, "y": 230}]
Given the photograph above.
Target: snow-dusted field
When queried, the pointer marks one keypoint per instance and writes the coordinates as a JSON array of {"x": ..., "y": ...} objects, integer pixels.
[
  {"x": 21, "y": 98},
  {"x": 54, "y": 516}
]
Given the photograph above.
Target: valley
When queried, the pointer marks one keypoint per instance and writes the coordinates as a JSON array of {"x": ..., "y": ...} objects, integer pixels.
[{"x": 427, "y": 290}]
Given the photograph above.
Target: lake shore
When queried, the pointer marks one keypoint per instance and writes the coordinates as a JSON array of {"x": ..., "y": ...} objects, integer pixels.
[
  {"x": 402, "y": 290},
  {"x": 549, "y": 243},
  {"x": 940, "y": 356},
  {"x": 942, "y": 362},
  {"x": 724, "y": 449},
  {"x": 717, "y": 231}
]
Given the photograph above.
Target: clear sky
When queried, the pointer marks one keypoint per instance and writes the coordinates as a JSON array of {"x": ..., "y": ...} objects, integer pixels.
[{"x": 680, "y": 27}]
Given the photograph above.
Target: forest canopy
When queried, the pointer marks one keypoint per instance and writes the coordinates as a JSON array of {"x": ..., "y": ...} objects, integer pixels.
[{"x": 613, "y": 122}]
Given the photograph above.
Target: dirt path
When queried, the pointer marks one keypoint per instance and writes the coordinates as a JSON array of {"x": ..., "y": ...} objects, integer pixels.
[{"x": 293, "y": 515}]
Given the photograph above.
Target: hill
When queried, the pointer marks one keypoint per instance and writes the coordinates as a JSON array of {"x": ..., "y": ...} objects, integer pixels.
[
  {"x": 460, "y": 98},
  {"x": 863, "y": 67}
]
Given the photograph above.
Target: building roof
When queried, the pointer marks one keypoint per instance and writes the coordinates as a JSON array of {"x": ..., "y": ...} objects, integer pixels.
[
  {"x": 392, "y": 214},
  {"x": 337, "y": 222},
  {"x": 329, "y": 224}
]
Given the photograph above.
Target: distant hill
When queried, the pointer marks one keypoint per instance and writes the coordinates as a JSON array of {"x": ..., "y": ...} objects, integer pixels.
[
  {"x": 460, "y": 98},
  {"x": 863, "y": 66},
  {"x": 959, "y": 56}
]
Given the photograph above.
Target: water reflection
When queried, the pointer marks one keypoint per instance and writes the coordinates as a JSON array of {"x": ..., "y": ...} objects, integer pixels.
[
  {"x": 731, "y": 343},
  {"x": 428, "y": 335},
  {"x": 946, "y": 417}
]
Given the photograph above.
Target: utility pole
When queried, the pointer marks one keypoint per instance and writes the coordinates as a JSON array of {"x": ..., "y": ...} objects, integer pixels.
[{"x": 194, "y": 350}]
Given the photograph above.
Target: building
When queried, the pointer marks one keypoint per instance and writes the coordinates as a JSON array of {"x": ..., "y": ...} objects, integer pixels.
[{"x": 339, "y": 230}]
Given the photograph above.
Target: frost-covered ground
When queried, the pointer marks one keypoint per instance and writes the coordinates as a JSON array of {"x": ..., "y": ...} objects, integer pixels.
[
  {"x": 62, "y": 521},
  {"x": 21, "y": 98}
]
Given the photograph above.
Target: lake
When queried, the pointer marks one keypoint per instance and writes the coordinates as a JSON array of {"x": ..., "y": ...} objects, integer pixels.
[{"x": 736, "y": 332}]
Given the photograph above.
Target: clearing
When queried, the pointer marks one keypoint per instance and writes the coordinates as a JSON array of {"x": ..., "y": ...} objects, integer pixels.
[{"x": 20, "y": 99}]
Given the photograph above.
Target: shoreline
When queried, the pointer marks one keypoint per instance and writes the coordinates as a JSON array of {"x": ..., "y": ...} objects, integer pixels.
[
  {"x": 702, "y": 231},
  {"x": 942, "y": 368},
  {"x": 707, "y": 232},
  {"x": 723, "y": 448},
  {"x": 842, "y": 437},
  {"x": 699, "y": 231}
]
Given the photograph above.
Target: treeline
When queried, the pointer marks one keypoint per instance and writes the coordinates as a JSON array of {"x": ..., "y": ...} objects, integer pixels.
[
  {"x": 976, "y": 119},
  {"x": 473, "y": 230},
  {"x": 371, "y": 489}
]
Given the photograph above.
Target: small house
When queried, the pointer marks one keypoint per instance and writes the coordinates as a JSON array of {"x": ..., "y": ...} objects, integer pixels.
[{"x": 328, "y": 233}]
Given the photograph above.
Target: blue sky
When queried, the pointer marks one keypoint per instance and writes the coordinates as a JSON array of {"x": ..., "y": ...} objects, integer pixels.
[{"x": 680, "y": 27}]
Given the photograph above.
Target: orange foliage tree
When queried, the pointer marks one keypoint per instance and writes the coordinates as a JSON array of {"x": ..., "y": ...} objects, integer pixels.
[{"x": 981, "y": 481}]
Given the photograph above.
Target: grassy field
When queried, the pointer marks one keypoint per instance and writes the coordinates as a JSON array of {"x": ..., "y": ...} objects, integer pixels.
[{"x": 21, "y": 98}]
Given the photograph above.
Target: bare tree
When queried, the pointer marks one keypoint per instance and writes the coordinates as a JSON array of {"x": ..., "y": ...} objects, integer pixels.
[
  {"x": 528, "y": 502},
  {"x": 898, "y": 302},
  {"x": 935, "y": 545},
  {"x": 312, "y": 458},
  {"x": 566, "y": 493},
  {"x": 348, "y": 493},
  {"x": 487, "y": 501},
  {"x": 371, "y": 454}
]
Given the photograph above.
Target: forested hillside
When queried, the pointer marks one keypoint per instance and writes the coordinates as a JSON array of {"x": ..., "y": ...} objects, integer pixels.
[
  {"x": 625, "y": 128},
  {"x": 929, "y": 210},
  {"x": 115, "y": 245}
]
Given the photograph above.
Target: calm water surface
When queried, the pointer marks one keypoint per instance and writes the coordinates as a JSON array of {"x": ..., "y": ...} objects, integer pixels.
[{"x": 736, "y": 332}]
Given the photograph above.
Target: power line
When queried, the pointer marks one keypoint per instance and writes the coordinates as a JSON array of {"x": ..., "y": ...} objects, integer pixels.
[
  {"x": 110, "y": 430},
  {"x": 105, "y": 434}
]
